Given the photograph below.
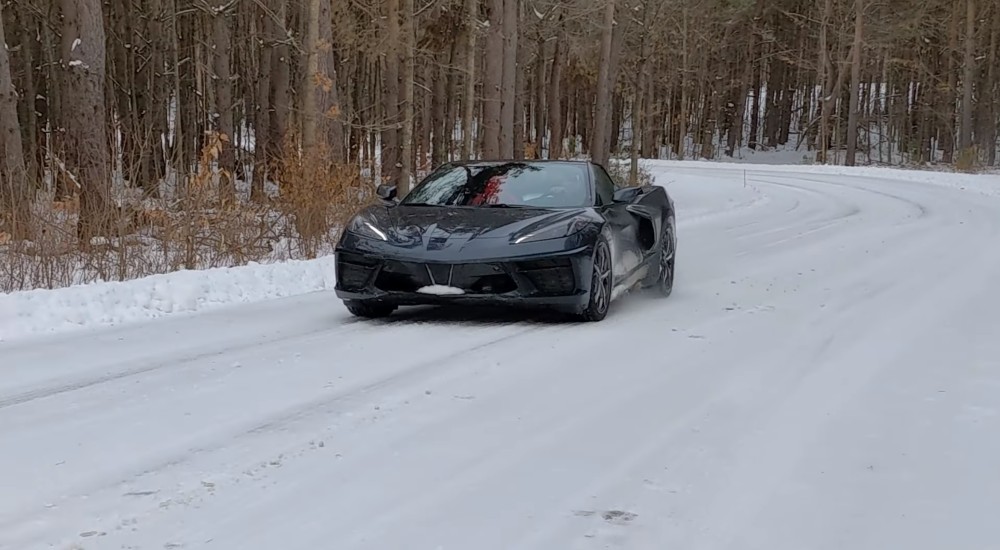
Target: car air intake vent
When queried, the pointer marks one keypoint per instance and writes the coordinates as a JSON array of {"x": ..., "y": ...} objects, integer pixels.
[
  {"x": 402, "y": 277},
  {"x": 550, "y": 276},
  {"x": 354, "y": 271}
]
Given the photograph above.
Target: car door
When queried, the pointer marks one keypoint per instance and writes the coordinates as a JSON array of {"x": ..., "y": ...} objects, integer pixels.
[{"x": 624, "y": 226}]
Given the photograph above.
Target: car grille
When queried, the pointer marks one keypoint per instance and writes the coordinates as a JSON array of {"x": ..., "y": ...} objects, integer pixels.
[
  {"x": 402, "y": 276},
  {"x": 396, "y": 276},
  {"x": 553, "y": 276},
  {"x": 354, "y": 271}
]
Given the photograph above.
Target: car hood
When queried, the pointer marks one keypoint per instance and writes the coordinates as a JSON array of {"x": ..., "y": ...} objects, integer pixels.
[{"x": 436, "y": 228}]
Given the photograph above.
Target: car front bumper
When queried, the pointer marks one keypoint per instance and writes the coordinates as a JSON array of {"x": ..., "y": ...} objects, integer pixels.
[{"x": 560, "y": 280}]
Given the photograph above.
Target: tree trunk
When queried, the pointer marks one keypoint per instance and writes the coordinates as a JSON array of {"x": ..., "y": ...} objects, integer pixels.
[
  {"x": 262, "y": 115},
  {"x": 281, "y": 78},
  {"x": 638, "y": 100},
  {"x": 469, "y": 102},
  {"x": 439, "y": 103},
  {"x": 539, "y": 110},
  {"x": 853, "y": 115},
  {"x": 452, "y": 103},
  {"x": 946, "y": 99},
  {"x": 555, "y": 99},
  {"x": 493, "y": 81},
  {"x": 602, "y": 118},
  {"x": 993, "y": 91},
  {"x": 406, "y": 137},
  {"x": 826, "y": 83},
  {"x": 509, "y": 86},
  {"x": 87, "y": 155},
  {"x": 391, "y": 157},
  {"x": 221, "y": 59},
  {"x": 968, "y": 75},
  {"x": 14, "y": 190},
  {"x": 321, "y": 116}
]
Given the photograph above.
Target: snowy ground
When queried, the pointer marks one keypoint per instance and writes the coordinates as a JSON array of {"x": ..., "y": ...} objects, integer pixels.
[{"x": 825, "y": 376}]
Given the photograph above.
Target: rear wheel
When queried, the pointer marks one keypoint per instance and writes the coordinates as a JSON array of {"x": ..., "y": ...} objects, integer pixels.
[
  {"x": 665, "y": 278},
  {"x": 369, "y": 310},
  {"x": 600, "y": 284}
]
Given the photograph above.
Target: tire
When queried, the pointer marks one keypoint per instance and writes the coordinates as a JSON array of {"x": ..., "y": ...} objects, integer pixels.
[
  {"x": 369, "y": 310},
  {"x": 601, "y": 283},
  {"x": 664, "y": 285}
]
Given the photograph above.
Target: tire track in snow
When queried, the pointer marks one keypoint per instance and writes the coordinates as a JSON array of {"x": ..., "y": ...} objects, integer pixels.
[
  {"x": 333, "y": 404},
  {"x": 127, "y": 370}
]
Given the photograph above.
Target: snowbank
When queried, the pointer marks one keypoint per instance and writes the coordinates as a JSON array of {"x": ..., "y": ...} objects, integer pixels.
[{"x": 111, "y": 303}]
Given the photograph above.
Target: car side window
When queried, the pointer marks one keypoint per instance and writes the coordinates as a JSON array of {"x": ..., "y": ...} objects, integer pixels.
[{"x": 605, "y": 187}]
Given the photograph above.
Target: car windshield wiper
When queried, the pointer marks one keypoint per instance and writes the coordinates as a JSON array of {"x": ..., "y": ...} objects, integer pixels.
[
  {"x": 419, "y": 204},
  {"x": 502, "y": 205}
]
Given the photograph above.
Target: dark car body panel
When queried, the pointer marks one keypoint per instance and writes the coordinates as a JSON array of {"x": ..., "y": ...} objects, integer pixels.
[{"x": 473, "y": 248}]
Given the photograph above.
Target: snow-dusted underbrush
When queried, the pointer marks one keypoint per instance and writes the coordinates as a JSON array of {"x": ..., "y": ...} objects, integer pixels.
[{"x": 194, "y": 230}]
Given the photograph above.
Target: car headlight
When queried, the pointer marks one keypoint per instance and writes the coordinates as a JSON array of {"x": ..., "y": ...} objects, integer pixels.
[
  {"x": 558, "y": 230},
  {"x": 364, "y": 226}
]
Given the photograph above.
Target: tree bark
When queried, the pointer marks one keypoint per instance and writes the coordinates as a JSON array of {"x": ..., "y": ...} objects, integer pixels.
[
  {"x": 221, "y": 59},
  {"x": 469, "y": 101},
  {"x": 87, "y": 155},
  {"x": 262, "y": 114},
  {"x": 493, "y": 81},
  {"x": 539, "y": 89},
  {"x": 639, "y": 96},
  {"x": 14, "y": 187},
  {"x": 409, "y": 61},
  {"x": 281, "y": 78},
  {"x": 555, "y": 98},
  {"x": 391, "y": 157},
  {"x": 853, "y": 115},
  {"x": 602, "y": 118},
  {"x": 439, "y": 103},
  {"x": 968, "y": 76},
  {"x": 321, "y": 116},
  {"x": 509, "y": 87},
  {"x": 993, "y": 91}
]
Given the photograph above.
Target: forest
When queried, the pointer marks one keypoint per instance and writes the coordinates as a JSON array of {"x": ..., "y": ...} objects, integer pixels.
[{"x": 145, "y": 136}]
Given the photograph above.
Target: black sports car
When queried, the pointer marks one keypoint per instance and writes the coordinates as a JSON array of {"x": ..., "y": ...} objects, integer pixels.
[{"x": 556, "y": 234}]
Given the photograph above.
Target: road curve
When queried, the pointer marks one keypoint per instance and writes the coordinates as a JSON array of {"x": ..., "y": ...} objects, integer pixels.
[{"x": 825, "y": 376}]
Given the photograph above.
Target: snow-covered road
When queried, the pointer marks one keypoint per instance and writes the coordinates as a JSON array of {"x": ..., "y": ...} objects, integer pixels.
[{"x": 826, "y": 375}]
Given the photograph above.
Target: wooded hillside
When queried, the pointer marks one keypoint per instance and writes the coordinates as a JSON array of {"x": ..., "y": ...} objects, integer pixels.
[{"x": 100, "y": 98}]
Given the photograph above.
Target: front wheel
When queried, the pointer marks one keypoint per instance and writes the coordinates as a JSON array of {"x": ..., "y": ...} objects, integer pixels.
[
  {"x": 369, "y": 310},
  {"x": 600, "y": 284},
  {"x": 668, "y": 251}
]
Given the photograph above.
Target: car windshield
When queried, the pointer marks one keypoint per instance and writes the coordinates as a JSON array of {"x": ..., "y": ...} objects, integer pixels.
[{"x": 513, "y": 184}]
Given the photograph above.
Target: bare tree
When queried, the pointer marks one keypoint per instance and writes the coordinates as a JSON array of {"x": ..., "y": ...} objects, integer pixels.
[
  {"x": 14, "y": 190},
  {"x": 469, "y": 101},
  {"x": 222, "y": 59},
  {"x": 968, "y": 76},
  {"x": 409, "y": 53},
  {"x": 391, "y": 157},
  {"x": 88, "y": 159},
  {"x": 321, "y": 103},
  {"x": 493, "y": 80},
  {"x": 508, "y": 88},
  {"x": 853, "y": 114},
  {"x": 602, "y": 120}
]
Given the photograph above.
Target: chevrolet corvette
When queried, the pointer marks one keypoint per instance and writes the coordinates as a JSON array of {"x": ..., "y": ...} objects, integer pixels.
[{"x": 535, "y": 233}]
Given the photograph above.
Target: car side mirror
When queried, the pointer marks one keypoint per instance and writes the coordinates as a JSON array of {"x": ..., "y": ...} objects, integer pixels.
[
  {"x": 626, "y": 194},
  {"x": 386, "y": 192}
]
